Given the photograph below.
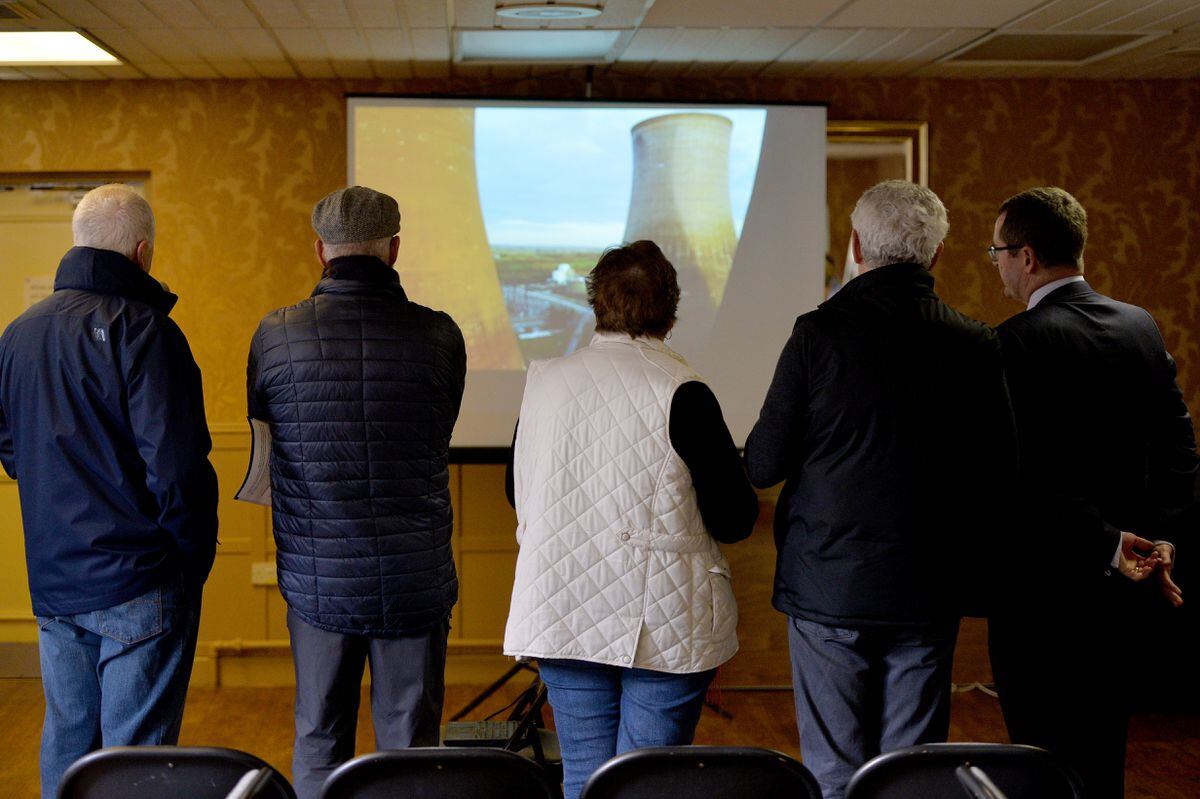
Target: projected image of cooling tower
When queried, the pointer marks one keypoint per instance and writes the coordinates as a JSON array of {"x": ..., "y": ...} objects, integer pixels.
[
  {"x": 426, "y": 160},
  {"x": 680, "y": 201}
]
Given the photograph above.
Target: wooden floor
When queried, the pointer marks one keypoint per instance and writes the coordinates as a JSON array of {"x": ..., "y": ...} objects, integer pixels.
[{"x": 1163, "y": 761}]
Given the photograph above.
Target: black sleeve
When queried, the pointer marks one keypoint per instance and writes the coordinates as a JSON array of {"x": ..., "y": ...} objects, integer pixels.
[
  {"x": 773, "y": 448},
  {"x": 256, "y": 405},
  {"x": 510, "y": 490},
  {"x": 8, "y": 455},
  {"x": 698, "y": 433},
  {"x": 1172, "y": 452}
]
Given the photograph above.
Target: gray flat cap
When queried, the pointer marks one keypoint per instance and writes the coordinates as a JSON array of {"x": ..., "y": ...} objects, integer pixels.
[{"x": 355, "y": 214}]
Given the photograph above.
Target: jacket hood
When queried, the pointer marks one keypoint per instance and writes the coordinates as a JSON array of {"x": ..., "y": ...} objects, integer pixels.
[{"x": 109, "y": 272}]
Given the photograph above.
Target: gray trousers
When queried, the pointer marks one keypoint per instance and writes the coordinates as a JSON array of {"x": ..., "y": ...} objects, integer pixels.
[
  {"x": 407, "y": 689},
  {"x": 868, "y": 690}
]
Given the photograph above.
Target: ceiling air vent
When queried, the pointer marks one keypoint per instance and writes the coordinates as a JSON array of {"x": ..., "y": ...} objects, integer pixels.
[
  {"x": 9, "y": 9},
  {"x": 1049, "y": 47}
]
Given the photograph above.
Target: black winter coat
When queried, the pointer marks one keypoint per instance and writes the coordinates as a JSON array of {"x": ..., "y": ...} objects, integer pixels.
[
  {"x": 102, "y": 425},
  {"x": 889, "y": 418},
  {"x": 361, "y": 389}
]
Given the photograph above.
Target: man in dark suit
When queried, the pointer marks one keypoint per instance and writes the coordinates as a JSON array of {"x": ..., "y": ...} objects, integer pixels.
[{"x": 1108, "y": 457}]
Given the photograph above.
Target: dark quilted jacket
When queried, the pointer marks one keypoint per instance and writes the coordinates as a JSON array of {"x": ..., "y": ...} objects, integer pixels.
[{"x": 361, "y": 388}]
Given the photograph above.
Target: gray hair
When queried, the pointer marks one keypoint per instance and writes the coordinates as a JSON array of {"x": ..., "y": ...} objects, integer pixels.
[
  {"x": 897, "y": 222},
  {"x": 113, "y": 217},
  {"x": 380, "y": 248}
]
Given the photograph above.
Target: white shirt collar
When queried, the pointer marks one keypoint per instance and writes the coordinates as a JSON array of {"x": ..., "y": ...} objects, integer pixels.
[{"x": 1041, "y": 293}]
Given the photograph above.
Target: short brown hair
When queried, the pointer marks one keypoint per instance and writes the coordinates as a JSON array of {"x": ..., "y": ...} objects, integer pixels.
[
  {"x": 1049, "y": 221},
  {"x": 633, "y": 289}
]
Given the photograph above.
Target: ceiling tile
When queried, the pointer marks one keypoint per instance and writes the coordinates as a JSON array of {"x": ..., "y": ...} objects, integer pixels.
[
  {"x": 213, "y": 44},
  {"x": 389, "y": 44},
  {"x": 741, "y": 14},
  {"x": 273, "y": 69},
  {"x": 235, "y": 68},
  {"x": 169, "y": 45},
  {"x": 303, "y": 44},
  {"x": 1051, "y": 14},
  {"x": 129, "y": 13},
  {"x": 375, "y": 13},
  {"x": 80, "y": 13},
  {"x": 315, "y": 69},
  {"x": 127, "y": 46},
  {"x": 352, "y": 68},
  {"x": 280, "y": 13},
  {"x": 346, "y": 44},
  {"x": 196, "y": 69},
  {"x": 931, "y": 13},
  {"x": 159, "y": 69},
  {"x": 474, "y": 13},
  {"x": 180, "y": 14},
  {"x": 1170, "y": 15},
  {"x": 423, "y": 13},
  {"x": 326, "y": 13},
  {"x": 431, "y": 44},
  {"x": 647, "y": 43},
  {"x": 255, "y": 44},
  {"x": 816, "y": 44},
  {"x": 228, "y": 13},
  {"x": 1112, "y": 12}
]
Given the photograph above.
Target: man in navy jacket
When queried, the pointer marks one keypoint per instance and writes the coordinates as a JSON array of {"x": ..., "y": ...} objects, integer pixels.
[
  {"x": 102, "y": 425},
  {"x": 361, "y": 387}
]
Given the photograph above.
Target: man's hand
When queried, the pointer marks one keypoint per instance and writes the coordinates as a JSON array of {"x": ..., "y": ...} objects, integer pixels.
[
  {"x": 1166, "y": 561},
  {"x": 1137, "y": 557}
]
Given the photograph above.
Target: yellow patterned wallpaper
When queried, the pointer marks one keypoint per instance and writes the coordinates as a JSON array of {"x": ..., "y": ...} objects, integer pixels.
[{"x": 236, "y": 166}]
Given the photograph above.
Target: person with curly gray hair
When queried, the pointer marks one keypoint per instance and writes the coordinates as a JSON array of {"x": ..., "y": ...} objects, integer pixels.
[{"x": 889, "y": 419}]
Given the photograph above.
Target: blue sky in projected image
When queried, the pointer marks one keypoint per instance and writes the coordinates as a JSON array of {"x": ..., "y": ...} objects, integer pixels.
[{"x": 561, "y": 177}]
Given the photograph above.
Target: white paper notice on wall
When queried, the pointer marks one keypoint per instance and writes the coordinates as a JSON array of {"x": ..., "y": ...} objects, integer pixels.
[
  {"x": 256, "y": 487},
  {"x": 38, "y": 288}
]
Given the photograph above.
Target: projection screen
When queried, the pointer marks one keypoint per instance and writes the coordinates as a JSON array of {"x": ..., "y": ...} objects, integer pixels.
[{"x": 506, "y": 206}]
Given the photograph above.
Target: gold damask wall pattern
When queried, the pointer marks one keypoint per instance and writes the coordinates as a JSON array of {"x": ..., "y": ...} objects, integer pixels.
[{"x": 236, "y": 165}]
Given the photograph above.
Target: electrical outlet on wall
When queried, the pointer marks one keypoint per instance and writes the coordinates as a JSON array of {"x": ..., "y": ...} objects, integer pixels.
[{"x": 263, "y": 573}]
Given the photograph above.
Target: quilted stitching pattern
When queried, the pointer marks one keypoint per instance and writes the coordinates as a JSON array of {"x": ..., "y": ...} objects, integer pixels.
[
  {"x": 615, "y": 565},
  {"x": 362, "y": 391}
]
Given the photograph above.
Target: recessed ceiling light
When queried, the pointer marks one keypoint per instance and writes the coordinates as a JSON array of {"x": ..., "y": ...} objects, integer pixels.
[
  {"x": 547, "y": 12},
  {"x": 31, "y": 48},
  {"x": 531, "y": 46}
]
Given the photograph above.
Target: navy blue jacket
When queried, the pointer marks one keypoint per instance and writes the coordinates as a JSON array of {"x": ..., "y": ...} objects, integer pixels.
[
  {"x": 361, "y": 389},
  {"x": 102, "y": 425},
  {"x": 889, "y": 419}
]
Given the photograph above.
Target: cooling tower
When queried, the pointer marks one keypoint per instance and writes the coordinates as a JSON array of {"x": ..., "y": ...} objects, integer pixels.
[
  {"x": 425, "y": 158},
  {"x": 681, "y": 201}
]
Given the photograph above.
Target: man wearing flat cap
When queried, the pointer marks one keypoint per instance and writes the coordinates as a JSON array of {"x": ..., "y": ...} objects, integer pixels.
[{"x": 361, "y": 388}]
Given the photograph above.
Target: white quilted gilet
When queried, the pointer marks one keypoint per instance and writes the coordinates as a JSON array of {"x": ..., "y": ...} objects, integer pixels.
[{"x": 615, "y": 565}]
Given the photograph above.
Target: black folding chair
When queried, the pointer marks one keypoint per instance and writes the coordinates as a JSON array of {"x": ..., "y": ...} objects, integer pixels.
[
  {"x": 170, "y": 772},
  {"x": 923, "y": 772},
  {"x": 701, "y": 772},
  {"x": 440, "y": 773}
]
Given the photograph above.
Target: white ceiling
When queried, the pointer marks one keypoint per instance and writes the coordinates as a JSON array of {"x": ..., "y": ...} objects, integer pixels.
[{"x": 658, "y": 38}]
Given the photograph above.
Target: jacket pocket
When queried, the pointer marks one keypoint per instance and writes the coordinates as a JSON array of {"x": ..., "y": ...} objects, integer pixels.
[
  {"x": 724, "y": 606},
  {"x": 133, "y": 621}
]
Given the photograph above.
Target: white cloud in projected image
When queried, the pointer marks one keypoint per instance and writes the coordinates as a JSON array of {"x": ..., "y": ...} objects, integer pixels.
[{"x": 562, "y": 177}]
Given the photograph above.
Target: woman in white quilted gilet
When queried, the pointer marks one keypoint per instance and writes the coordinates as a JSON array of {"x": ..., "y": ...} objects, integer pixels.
[{"x": 624, "y": 477}]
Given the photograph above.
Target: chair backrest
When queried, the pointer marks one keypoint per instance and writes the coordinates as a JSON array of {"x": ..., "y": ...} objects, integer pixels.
[
  {"x": 165, "y": 772},
  {"x": 701, "y": 772},
  {"x": 921, "y": 772},
  {"x": 433, "y": 773}
]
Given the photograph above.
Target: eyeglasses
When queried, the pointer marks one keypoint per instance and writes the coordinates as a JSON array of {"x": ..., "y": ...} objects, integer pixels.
[{"x": 994, "y": 251}]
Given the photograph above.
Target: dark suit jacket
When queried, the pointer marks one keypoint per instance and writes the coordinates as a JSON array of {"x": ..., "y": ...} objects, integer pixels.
[{"x": 1105, "y": 438}]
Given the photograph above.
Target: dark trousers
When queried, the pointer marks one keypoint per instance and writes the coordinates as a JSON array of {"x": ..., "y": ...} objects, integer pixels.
[
  {"x": 864, "y": 691},
  {"x": 407, "y": 689},
  {"x": 1059, "y": 686}
]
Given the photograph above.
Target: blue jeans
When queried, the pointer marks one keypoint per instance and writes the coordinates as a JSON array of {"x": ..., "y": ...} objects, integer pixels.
[
  {"x": 116, "y": 677},
  {"x": 867, "y": 690},
  {"x": 601, "y": 711}
]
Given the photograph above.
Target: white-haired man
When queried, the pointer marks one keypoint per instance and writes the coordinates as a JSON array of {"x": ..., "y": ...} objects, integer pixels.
[
  {"x": 889, "y": 419},
  {"x": 102, "y": 425}
]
